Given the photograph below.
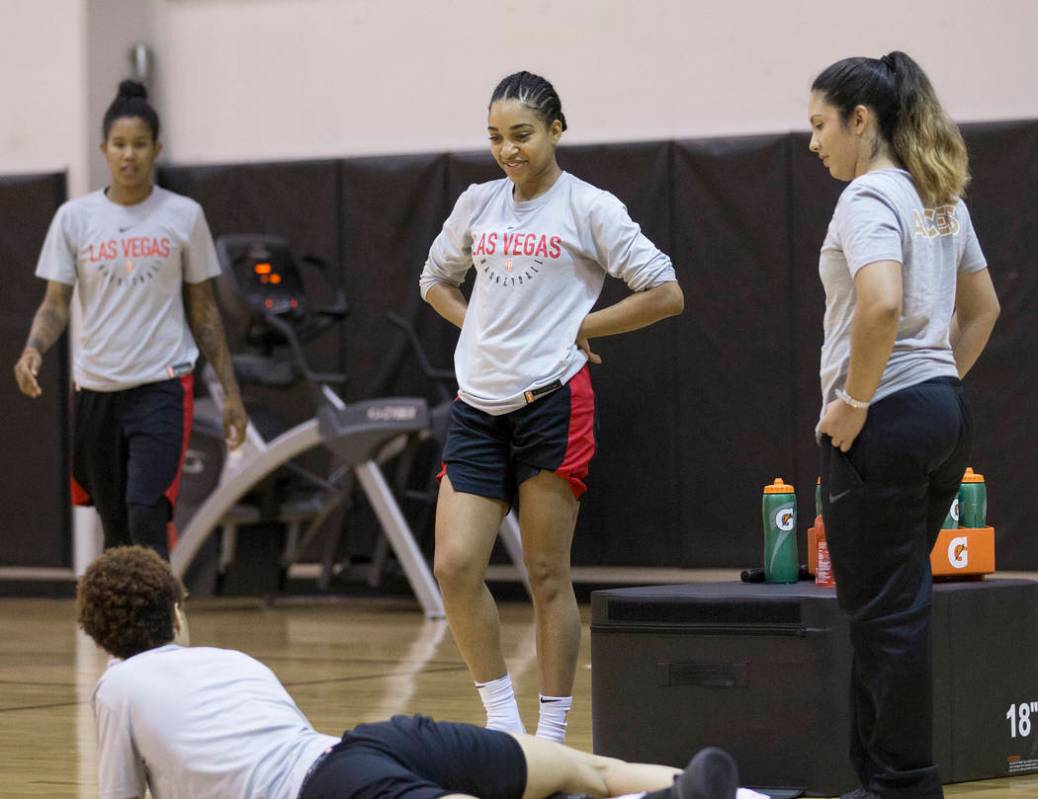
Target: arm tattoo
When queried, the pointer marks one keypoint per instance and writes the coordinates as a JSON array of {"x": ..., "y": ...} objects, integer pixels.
[
  {"x": 207, "y": 328},
  {"x": 50, "y": 320}
]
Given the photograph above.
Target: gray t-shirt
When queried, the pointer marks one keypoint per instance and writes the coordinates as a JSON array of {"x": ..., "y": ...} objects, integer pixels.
[
  {"x": 129, "y": 264},
  {"x": 200, "y": 723},
  {"x": 880, "y": 217},
  {"x": 540, "y": 266}
]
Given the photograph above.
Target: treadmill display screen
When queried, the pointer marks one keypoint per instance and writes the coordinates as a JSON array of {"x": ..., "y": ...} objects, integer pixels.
[{"x": 272, "y": 282}]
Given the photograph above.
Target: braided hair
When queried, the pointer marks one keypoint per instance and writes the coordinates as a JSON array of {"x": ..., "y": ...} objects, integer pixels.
[{"x": 534, "y": 92}]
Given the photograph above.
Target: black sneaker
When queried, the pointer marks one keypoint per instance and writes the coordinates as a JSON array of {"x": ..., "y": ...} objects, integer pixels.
[
  {"x": 860, "y": 793},
  {"x": 711, "y": 774}
]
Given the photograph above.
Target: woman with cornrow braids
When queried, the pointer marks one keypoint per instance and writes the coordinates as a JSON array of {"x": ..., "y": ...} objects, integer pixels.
[
  {"x": 909, "y": 309},
  {"x": 137, "y": 254},
  {"x": 542, "y": 242}
]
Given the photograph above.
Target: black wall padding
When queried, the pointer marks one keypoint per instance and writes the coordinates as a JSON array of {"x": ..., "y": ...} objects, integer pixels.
[
  {"x": 636, "y": 385},
  {"x": 35, "y": 526},
  {"x": 1003, "y": 198},
  {"x": 392, "y": 209},
  {"x": 697, "y": 413},
  {"x": 734, "y": 365}
]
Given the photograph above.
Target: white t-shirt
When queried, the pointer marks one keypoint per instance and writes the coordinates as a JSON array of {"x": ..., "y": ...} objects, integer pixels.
[
  {"x": 129, "y": 264},
  {"x": 200, "y": 723},
  {"x": 880, "y": 217},
  {"x": 540, "y": 266}
]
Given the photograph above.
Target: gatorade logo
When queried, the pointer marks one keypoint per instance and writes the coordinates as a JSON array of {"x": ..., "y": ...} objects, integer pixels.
[
  {"x": 958, "y": 554},
  {"x": 785, "y": 519},
  {"x": 954, "y": 511}
]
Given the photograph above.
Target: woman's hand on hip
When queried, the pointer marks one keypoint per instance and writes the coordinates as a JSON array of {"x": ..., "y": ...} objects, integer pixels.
[
  {"x": 842, "y": 423},
  {"x": 585, "y": 347}
]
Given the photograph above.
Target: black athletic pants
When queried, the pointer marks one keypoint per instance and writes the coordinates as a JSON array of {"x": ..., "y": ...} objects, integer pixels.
[
  {"x": 883, "y": 503},
  {"x": 127, "y": 454}
]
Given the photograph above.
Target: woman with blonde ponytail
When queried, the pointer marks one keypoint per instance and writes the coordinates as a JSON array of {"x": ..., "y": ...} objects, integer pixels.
[
  {"x": 925, "y": 139},
  {"x": 909, "y": 309}
]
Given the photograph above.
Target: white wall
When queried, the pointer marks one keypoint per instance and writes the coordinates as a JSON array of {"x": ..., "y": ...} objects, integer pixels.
[
  {"x": 268, "y": 79},
  {"x": 43, "y": 88},
  {"x": 112, "y": 28},
  {"x": 304, "y": 78},
  {"x": 60, "y": 64}
]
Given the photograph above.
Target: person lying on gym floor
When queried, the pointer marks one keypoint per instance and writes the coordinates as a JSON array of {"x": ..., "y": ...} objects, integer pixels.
[{"x": 202, "y": 722}]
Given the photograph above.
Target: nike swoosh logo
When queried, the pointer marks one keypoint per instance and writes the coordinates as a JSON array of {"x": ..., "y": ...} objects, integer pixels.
[
  {"x": 838, "y": 497},
  {"x": 124, "y": 229}
]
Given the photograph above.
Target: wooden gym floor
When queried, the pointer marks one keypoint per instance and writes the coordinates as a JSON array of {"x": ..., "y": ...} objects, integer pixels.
[{"x": 344, "y": 661}]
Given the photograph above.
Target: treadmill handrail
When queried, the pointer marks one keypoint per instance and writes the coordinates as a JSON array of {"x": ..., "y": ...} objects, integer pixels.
[
  {"x": 315, "y": 378},
  {"x": 430, "y": 371}
]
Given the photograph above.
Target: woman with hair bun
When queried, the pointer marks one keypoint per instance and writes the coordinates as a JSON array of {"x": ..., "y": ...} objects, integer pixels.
[
  {"x": 137, "y": 254},
  {"x": 542, "y": 242},
  {"x": 909, "y": 309}
]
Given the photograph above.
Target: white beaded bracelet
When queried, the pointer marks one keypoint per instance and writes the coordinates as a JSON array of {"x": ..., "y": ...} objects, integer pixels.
[{"x": 854, "y": 403}]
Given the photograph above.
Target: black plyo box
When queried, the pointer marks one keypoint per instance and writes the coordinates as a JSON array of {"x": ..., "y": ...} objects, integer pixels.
[{"x": 763, "y": 671}]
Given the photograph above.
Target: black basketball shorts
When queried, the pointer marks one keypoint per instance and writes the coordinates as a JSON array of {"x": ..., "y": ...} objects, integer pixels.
[
  {"x": 491, "y": 455},
  {"x": 414, "y": 757}
]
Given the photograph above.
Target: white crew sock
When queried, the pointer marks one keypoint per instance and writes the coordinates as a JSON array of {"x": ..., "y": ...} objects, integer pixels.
[
  {"x": 552, "y": 722},
  {"x": 502, "y": 709}
]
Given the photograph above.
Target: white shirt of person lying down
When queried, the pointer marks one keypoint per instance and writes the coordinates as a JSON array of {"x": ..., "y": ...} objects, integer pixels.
[
  {"x": 199, "y": 723},
  {"x": 205, "y": 723}
]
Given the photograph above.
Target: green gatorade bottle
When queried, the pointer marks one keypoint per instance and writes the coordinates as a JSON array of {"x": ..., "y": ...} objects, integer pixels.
[
  {"x": 973, "y": 500},
  {"x": 779, "y": 506}
]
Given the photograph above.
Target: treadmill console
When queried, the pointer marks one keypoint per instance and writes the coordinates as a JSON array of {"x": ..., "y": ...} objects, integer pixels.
[{"x": 270, "y": 280}]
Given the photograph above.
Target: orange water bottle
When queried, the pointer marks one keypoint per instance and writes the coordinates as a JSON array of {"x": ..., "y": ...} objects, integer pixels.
[{"x": 823, "y": 565}]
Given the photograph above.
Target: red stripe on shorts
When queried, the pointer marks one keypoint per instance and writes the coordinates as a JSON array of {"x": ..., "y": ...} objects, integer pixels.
[
  {"x": 79, "y": 494},
  {"x": 187, "y": 383},
  {"x": 580, "y": 447},
  {"x": 443, "y": 464}
]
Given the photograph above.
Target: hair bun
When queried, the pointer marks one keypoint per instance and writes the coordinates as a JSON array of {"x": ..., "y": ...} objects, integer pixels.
[{"x": 133, "y": 88}]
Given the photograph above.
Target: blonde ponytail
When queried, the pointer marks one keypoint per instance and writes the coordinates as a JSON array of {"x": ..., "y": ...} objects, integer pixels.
[
  {"x": 910, "y": 119},
  {"x": 925, "y": 139}
]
